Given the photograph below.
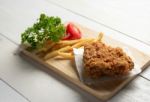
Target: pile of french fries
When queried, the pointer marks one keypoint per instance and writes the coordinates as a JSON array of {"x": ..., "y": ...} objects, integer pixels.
[{"x": 64, "y": 48}]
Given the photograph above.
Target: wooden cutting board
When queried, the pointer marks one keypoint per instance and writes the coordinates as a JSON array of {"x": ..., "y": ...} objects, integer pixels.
[{"x": 67, "y": 70}]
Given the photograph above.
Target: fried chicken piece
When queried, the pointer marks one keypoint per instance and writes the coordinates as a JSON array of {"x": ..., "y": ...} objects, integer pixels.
[{"x": 102, "y": 60}]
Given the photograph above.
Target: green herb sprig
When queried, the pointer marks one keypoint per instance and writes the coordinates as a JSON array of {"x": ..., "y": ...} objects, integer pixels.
[{"x": 46, "y": 28}]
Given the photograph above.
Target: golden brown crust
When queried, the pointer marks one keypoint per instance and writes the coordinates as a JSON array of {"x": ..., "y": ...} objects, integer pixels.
[{"x": 100, "y": 60}]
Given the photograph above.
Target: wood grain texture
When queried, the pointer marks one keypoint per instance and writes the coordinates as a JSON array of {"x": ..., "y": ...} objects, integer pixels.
[
  {"x": 129, "y": 17},
  {"x": 12, "y": 25},
  {"x": 15, "y": 16},
  {"x": 146, "y": 73},
  {"x": 30, "y": 81},
  {"x": 105, "y": 90},
  {"x": 7, "y": 94},
  {"x": 135, "y": 89},
  {"x": 132, "y": 16}
]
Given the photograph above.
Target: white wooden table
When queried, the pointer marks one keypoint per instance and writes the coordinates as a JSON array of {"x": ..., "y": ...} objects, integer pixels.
[{"x": 21, "y": 81}]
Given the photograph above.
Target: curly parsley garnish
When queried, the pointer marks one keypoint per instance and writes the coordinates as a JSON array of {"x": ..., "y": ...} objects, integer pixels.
[{"x": 46, "y": 28}]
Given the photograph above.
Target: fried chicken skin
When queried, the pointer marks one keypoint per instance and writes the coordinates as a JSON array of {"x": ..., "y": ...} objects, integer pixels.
[{"x": 102, "y": 60}]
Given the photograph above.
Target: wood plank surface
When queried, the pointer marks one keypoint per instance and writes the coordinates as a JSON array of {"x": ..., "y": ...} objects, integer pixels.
[
  {"x": 7, "y": 94},
  {"x": 146, "y": 73},
  {"x": 132, "y": 18},
  {"x": 12, "y": 25},
  {"x": 135, "y": 89},
  {"x": 126, "y": 16},
  {"x": 66, "y": 70},
  {"x": 29, "y": 80}
]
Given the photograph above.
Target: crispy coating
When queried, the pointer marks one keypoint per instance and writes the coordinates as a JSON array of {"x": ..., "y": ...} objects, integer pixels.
[{"x": 102, "y": 60}]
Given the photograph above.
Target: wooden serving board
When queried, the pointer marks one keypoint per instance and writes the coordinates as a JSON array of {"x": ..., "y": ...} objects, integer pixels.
[{"x": 67, "y": 70}]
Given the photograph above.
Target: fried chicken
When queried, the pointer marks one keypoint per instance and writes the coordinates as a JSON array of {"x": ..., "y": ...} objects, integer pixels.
[{"x": 102, "y": 60}]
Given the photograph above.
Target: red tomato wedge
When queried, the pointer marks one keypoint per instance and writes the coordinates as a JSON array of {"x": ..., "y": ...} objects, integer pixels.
[{"x": 72, "y": 32}]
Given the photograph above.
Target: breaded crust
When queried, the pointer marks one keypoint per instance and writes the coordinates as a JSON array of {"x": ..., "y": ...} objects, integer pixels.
[{"x": 102, "y": 60}]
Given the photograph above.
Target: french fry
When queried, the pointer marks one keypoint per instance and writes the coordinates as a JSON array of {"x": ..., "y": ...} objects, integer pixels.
[
  {"x": 81, "y": 43},
  {"x": 55, "y": 53},
  {"x": 66, "y": 55},
  {"x": 50, "y": 46},
  {"x": 100, "y": 36},
  {"x": 64, "y": 48},
  {"x": 63, "y": 43},
  {"x": 69, "y": 42},
  {"x": 56, "y": 47},
  {"x": 45, "y": 48},
  {"x": 51, "y": 55}
]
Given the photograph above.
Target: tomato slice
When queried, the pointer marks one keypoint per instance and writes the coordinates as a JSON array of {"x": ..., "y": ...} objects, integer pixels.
[{"x": 72, "y": 32}]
